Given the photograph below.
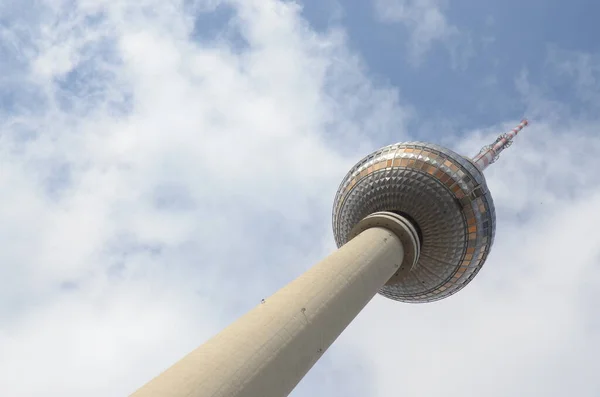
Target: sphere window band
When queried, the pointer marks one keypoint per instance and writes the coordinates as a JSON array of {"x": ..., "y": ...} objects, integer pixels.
[{"x": 447, "y": 197}]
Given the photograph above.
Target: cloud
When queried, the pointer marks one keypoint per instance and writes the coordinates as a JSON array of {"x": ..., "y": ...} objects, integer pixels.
[
  {"x": 426, "y": 23},
  {"x": 158, "y": 181}
]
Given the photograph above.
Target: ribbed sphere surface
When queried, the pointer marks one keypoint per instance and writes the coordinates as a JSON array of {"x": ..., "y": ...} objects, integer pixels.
[{"x": 446, "y": 197}]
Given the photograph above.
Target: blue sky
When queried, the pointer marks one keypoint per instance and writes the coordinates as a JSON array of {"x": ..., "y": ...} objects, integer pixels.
[
  {"x": 496, "y": 42},
  {"x": 166, "y": 165}
]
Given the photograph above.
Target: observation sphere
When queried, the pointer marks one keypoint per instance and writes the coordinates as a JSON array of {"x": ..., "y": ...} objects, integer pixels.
[{"x": 446, "y": 198}]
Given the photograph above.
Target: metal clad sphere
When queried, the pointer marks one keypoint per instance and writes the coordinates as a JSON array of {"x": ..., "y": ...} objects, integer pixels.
[{"x": 447, "y": 198}]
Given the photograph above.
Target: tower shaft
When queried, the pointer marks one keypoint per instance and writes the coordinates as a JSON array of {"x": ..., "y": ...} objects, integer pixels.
[{"x": 269, "y": 350}]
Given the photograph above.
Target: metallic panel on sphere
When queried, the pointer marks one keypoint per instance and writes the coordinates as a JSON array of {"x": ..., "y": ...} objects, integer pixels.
[{"x": 447, "y": 198}]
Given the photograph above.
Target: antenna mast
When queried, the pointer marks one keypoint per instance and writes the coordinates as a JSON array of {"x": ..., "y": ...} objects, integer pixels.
[{"x": 490, "y": 153}]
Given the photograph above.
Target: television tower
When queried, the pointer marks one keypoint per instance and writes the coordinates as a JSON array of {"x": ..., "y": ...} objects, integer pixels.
[{"x": 413, "y": 221}]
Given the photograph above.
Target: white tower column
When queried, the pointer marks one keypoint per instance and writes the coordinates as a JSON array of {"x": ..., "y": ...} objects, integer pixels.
[{"x": 269, "y": 350}]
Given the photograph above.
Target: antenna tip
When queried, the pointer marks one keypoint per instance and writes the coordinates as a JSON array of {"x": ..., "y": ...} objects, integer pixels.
[{"x": 525, "y": 122}]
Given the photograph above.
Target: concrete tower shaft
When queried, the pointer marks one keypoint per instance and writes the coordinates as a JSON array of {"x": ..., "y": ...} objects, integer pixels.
[{"x": 270, "y": 349}]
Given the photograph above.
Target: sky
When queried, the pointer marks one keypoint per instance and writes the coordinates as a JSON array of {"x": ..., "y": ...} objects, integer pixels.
[{"x": 165, "y": 165}]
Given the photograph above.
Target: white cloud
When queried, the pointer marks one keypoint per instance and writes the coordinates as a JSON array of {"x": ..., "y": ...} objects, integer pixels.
[{"x": 156, "y": 187}]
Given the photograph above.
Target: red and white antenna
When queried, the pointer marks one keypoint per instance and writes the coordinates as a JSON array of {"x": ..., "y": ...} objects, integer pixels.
[{"x": 489, "y": 154}]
